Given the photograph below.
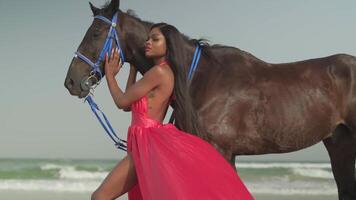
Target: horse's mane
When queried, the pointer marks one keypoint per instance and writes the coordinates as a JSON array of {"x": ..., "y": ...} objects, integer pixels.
[{"x": 133, "y": 14}]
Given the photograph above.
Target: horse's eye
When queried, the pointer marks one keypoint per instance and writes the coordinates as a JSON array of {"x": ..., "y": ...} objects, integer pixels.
[{"x": 96, "y": 33}]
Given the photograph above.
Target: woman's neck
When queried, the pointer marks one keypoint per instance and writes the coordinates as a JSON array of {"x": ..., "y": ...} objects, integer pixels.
[{"x": 160, "y": 60}]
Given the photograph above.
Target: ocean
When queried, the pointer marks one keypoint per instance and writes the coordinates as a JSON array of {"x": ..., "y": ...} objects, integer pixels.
[{"x": 64, "y": 179}]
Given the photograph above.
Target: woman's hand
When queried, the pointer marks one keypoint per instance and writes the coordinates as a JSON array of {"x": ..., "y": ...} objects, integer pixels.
[{"x": 113, "y": 64}]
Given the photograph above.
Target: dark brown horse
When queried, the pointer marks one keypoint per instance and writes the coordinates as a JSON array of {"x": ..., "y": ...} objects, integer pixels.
[{"x": 248, "y": 106}]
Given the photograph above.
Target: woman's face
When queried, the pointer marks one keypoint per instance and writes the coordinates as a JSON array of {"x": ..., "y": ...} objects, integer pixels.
[{"x": 155, "y": 46}]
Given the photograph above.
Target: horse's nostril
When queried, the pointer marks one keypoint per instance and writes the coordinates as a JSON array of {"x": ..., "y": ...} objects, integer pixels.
[{"x": 69, "y": 83}]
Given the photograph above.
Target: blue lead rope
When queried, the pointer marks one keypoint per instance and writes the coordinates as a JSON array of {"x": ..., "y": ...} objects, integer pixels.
[{"x": 119, "y": 143}]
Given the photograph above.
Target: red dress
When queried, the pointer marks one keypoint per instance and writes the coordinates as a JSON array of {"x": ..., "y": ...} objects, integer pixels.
[{"x": 174, "y": 165}]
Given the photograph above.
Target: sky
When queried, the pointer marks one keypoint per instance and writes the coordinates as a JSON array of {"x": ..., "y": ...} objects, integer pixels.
[{"x": 40, "y": 119}]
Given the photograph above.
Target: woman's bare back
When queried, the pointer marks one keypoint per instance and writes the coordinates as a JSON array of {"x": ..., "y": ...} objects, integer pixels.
[{"x": 158, "y": 98}]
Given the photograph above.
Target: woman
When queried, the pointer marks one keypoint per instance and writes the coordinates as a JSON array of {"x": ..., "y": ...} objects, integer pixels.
[{"x": 164, "y": 162}]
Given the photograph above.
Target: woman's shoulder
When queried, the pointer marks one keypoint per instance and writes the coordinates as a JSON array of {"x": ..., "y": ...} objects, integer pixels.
[{"x": 160, "y": 70}]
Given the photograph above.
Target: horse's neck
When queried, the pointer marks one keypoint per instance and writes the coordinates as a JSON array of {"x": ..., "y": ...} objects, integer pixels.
[{"x": 136, "y": 35}]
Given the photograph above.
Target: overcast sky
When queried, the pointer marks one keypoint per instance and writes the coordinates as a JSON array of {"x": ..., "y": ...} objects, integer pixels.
[{"x": 38, "y": 117}]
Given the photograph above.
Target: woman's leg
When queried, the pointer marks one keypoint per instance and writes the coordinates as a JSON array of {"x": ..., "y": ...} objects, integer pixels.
[{"x": 119, "y": 181}]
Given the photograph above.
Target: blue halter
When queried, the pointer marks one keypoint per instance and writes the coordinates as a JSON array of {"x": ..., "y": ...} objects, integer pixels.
[
  {"x": 195, "y": 60},
  {"x": 119, "y": 143},
  {"x": 112, "y": 37}
]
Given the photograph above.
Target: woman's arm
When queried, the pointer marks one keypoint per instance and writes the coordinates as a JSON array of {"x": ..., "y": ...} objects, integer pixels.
[
  {"x": 151, "y": 79},
  {"x": 130, "y": 81}
]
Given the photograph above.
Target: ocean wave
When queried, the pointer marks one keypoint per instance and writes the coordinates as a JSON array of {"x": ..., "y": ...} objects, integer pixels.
[
  {"x": 49, "y": 185},
  {"x": 314, "y": 173},
  {"x": 276, "y": 187},
  {"x": 279, "y": 187},
  {"x": 70, "y": 172},
  {"x": 282, "y": 165},
  {"x": 308, "y": 170}
]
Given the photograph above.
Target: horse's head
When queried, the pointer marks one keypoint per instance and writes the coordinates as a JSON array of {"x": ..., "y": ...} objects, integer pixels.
[{"x": 131, "y": 33}]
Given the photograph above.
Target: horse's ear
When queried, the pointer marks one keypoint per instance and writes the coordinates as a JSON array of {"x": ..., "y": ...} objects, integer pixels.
[
  {"x": 94, "y": 9},
  {"x": 114, "y": 5}
]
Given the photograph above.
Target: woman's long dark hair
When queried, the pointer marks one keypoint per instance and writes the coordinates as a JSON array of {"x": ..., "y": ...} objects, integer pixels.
[{"x": 186, "y": 118}]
